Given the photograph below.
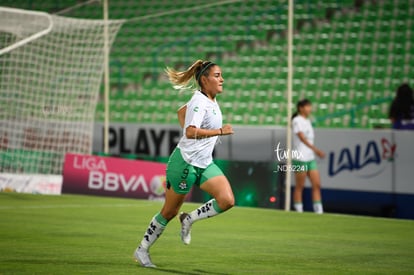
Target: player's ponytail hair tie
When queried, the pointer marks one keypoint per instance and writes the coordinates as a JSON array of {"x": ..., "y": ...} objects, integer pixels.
[
  {"x": 183, "y": 80},
  {"x": 204, "y": 66}
]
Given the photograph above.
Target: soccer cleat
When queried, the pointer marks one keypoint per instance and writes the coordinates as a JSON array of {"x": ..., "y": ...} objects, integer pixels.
[
  {"x": 185, "y": 220},
  {"x": 142, "y": 256}
]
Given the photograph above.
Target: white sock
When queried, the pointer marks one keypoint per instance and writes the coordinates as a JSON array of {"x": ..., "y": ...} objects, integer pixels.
[
  {"x": 154, "y": 231},
  {"x": 317, "y": 207},
  {"x": 207, "y": 210},
  {"x": 298, "y": 207}
]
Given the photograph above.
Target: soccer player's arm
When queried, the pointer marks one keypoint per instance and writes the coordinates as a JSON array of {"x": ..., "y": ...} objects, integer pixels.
[
  {"x": 302, "y": 138},
  {"x": 181, "y": 115},
  {"x": 298, "y": 131},
  {"x": 192, "y": 132}
]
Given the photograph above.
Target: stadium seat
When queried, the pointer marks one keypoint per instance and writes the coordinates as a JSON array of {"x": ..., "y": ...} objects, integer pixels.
[{"x": 356, "y": 55}]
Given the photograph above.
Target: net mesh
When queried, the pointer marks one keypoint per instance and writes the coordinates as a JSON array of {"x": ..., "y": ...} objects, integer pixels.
[{"x": 49, "y": 88}]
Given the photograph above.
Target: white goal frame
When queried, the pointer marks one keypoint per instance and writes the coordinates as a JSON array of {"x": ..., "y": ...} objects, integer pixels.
[{"x": 31, "y": 37}]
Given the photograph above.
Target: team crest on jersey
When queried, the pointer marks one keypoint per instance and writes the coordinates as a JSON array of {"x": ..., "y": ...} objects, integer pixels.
[
  {"x": 183, "y": 185},
  {"x": 214, "y": 112},
  {"x": 196, "y": 109}
]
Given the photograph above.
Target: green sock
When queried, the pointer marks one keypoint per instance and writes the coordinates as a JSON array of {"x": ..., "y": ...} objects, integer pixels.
[
  {"x": 216, "y": 206},
  {"x": 163, "y": 221}
]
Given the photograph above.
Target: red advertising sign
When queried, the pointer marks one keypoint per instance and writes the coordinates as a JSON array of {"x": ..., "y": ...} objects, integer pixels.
[{"x": 107, "y": 176}]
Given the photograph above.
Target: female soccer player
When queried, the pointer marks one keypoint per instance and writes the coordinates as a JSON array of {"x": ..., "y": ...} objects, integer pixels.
[
  {"x": 192, "y": 162},
  {"x": 303, "y": 137}
]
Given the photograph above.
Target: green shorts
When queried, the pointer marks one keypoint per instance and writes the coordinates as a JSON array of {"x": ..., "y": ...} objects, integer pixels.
[
  {"x": 181, "y": 176},
  {"x": 304, "y": 165}
]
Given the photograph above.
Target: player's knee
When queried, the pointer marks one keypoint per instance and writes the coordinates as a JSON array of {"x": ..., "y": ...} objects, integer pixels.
[
  {"x": 299, "y": 187},
  {"x": 169, "y": 214},
  {"x": 230, "y": 202},
  {"x": 316, "y": 185},
  {"x": 226, "y": 202}
]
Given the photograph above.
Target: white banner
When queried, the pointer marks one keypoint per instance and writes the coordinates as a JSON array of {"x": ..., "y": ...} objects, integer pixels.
[
  {"x": 145, "y": 139},
  {"x": 404, "y": 162},
  {"x": 33, "y": 184},
  {"x": 356, "y": 159}
]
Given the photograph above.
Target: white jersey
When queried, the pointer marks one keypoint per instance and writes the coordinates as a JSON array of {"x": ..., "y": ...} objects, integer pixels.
[
  {"x": 301, "y": 124},
  {"x": 202, "y": 113}
]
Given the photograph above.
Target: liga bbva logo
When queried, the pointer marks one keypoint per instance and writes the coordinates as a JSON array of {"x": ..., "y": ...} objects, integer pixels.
[
  {"x": 101, "y": 179},
  {"x": 366, "y": 160}
]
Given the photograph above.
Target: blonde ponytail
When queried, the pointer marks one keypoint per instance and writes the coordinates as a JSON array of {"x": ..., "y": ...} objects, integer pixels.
[{"x": 187, "y": 79}]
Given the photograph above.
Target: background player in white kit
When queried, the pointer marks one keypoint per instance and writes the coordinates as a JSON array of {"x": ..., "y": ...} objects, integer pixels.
[
  {"x": 303, "y": 142},
  {"x": 192, "y": 162}
]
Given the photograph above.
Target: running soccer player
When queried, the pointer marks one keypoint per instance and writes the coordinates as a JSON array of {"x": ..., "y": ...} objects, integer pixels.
[
  {"x": 303, "y": 137},
  {"x": 191, "y": 162}
]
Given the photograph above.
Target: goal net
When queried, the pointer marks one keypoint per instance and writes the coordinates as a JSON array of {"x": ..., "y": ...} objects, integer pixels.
[{"x": 50, "y": 74}]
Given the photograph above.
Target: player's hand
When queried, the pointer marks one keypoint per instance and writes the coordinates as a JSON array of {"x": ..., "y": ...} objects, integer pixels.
[
  {"x": 320, "y": 153},
  {"x": 227, "y": 130}
]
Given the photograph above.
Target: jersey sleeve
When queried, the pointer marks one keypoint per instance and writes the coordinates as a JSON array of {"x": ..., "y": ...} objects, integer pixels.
[
  {"x": 297, "y": 126},
  {"x": 194, "y": 116}
]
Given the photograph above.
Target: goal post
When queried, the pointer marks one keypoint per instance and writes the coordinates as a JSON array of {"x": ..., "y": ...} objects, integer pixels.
[
  {"x": 11, "y": 22},
  {"x": 289, "y": 103},
  {"x": 50, "y": 73}
]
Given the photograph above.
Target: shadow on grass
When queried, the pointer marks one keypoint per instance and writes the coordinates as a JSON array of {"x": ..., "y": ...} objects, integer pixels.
[
  {"x": 20, "y": 196},
  {"x": 108, "y": 264},
  {"x": 60, "y": 262},
  {"x": 187, "y": 272}
]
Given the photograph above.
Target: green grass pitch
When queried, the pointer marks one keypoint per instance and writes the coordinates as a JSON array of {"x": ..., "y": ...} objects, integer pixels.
[{"x": 95, "y": 235}]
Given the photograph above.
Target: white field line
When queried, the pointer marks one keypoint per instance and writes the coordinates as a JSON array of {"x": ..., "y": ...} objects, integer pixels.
[
  {"x": 368, "y": 217},
  {"x": 62, "y": 206}
]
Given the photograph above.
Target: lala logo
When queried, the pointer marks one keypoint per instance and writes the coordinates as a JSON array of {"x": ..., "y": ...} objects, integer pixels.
[
  {"x": 388, "y": 149},
  {"x": 362, "y": 156}
]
